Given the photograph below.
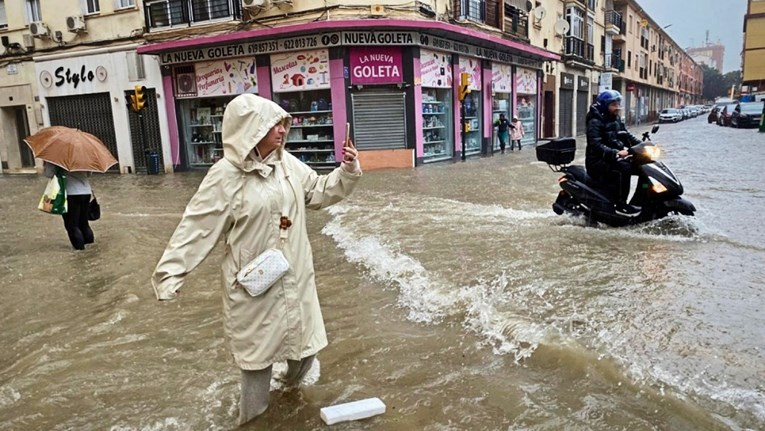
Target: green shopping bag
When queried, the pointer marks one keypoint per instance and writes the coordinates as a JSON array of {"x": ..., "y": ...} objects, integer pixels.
[{"x": 53, "y": 200}]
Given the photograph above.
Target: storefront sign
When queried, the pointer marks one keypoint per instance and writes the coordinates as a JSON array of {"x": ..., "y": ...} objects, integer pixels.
[
  {"x": 379, "y": 38},
  {"x": 493, "y": 54},
  {"x": 376, "y": 65},
  {"x": 583, "y": 84},
  {"x": 566, "y": 81},
  {"x": 65, "y": 75},
  {"x": 501, "y": 78},
  {"x": 435, "y": 69},
  {"x": 226, "y": 77},
  {"x": 473, "y": 67},
  {"x": 346, "y": 38},
  {"x": 526, "y": 81},
  {"x": 298, "y": 71},
  {"x": 251, "y": 48}
]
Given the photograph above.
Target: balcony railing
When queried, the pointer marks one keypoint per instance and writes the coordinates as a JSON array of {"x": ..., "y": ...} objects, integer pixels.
[
  {"x": 613, "y": 61},
  {"x": 614, "y": 18},
  {"x": 576, "y": 49},
  {"x": 173, "y": 13}
]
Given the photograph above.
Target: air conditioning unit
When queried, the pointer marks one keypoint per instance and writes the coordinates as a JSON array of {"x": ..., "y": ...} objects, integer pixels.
[
  {"x": 186, "y": 83},
  {"x": 28, "y": 41},
  {"x": 75, "y": 23},
  {"x": 39, "y": 29},
  {"x": 254, "y": 4}
]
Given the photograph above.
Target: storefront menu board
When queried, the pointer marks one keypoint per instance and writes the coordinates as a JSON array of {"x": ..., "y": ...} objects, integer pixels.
[
  {"x": 226, "y": 77},
  {"x": 435, "y": 69},
  {"x": 473, "y": 67},
  {"x": 299, "y": 71},
  {"x": 526, "y": 81},
  {"x": 501, "y": 78}
]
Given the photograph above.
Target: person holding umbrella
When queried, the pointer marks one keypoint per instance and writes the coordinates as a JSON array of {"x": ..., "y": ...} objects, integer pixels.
[
  {"x": 75, "y": 154},
  {"x": 78, "y": 193}
]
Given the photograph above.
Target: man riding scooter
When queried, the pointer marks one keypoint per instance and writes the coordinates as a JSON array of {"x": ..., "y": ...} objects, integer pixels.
[{"x": 608, "y": 160}]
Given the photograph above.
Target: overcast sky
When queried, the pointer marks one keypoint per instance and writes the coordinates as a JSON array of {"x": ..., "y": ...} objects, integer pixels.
[{"x": 690, "y": 19}]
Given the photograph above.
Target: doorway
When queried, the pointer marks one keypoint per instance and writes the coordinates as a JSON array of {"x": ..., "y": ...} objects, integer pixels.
[{"x": 27, "y": 158}]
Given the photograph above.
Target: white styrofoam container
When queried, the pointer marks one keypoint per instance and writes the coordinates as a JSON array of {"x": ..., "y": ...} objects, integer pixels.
[{"x": 352, "y": 411}]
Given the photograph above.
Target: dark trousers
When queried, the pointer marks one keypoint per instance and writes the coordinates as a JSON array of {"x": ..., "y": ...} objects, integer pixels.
[
  {"x": 615, "y": 177},
  {"x": 512, "y": 144},
  {"x": 76, "y": 221}
]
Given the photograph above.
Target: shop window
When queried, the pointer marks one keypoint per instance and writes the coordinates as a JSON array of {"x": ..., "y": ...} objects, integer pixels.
[
  {"x": 33, "y": 10},
  {"x": 310, "y": 137},
  {"x": 202, "y": 121},
  {"x": 437, "y": 124}
]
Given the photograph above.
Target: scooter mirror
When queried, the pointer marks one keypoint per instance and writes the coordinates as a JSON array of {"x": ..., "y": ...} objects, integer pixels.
[{"x": 655, "y": 129}]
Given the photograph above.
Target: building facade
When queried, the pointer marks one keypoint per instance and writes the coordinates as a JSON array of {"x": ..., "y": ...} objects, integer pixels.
[
  {"x": 753, "y": 57},
  {"x": 72, "y": 63}
]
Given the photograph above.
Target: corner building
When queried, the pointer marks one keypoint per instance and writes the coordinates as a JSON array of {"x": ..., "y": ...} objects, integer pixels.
[{"x": 394, "y": 78}]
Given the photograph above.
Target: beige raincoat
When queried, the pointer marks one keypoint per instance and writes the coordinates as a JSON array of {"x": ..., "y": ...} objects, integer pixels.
[{"x": 241, "y": 201}]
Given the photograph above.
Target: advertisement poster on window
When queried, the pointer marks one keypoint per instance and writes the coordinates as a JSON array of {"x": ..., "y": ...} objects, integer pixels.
[
  {"x": 226, "y": 77},
  {"x": 526, "y": 81},
  {"x": 299, "y": 71},
  {"x": 473, "y": 67},
  {"x": 435, "y": 69},
  {"x": 501, "y": 78},
  {"x": 376, "y": 65}
]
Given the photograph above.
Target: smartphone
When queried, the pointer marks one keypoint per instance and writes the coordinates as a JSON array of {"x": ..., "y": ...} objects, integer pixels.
[{"x": 347, "y": 134}]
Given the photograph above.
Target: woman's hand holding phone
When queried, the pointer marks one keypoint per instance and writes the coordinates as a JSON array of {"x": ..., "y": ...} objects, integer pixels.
[{"x": 350, "y": 154}]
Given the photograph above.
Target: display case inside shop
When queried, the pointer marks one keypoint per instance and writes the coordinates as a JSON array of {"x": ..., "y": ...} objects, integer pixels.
[
  {"x": 311, "y": 137},
  {"x": 437, "y": 125},
  {"x": 472, "y": 104},
  {"x": 202, "y": 125}
]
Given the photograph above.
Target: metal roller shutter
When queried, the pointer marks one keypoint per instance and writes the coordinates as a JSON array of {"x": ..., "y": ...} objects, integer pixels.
[
  {"x": 566, "y": 112},
  {"x": 379, "y": 119},
  {"x": 582, "y": 103},
  {"x": 153, "y": 137},
  {"x": 90, "y": 113}
]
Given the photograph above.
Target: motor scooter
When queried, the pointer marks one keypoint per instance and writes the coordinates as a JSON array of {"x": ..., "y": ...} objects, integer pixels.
[{"x": 658, "y": 192}]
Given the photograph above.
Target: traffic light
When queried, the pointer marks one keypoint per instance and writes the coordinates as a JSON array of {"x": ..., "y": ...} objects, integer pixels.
[
  {"x": 139, "y": 101},
  {"x": 464, "y": 85}
]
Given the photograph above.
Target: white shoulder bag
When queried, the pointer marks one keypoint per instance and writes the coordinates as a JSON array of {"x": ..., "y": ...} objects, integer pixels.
[{"x": 268, "y": 267}]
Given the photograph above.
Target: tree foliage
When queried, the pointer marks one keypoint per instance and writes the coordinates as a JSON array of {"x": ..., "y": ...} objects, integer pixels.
[{"x": 718, "y": 85}]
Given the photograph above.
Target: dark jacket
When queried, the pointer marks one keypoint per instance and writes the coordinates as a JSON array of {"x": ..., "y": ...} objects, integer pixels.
[
  {"x": 603, "y": 143},
  {"x": 503, "y": 125}
]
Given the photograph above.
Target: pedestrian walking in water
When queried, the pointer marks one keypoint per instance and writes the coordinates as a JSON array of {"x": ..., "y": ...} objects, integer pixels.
[
  {"x": 78, "y": 194},
  {"x": 255, "y": 199},
  {"x": 516, "y": 133},
  {"x": 503, "y": 131}
]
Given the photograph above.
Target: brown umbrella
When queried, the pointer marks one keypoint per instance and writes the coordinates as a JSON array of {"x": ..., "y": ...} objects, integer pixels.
[{"x": 71, "y": 149}]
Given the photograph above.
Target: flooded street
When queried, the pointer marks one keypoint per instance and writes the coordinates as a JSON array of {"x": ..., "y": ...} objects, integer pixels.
[{"x": 451, "y": 291}]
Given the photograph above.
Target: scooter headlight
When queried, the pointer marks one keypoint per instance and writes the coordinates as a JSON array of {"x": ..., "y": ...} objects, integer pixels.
[
  {"x": 653, "y": 152},
  {"x": 657, "y": 187}
]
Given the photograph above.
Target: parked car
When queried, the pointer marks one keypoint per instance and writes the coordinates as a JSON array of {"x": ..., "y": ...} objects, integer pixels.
[
  {"x": 670, "y": 115},
  {"x": 746, "y": 115},
  {"x": 723, "y": 119}
]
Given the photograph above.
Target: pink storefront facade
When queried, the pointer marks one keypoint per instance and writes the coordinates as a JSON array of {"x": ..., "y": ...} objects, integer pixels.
[{"x": 394, "y": 81}]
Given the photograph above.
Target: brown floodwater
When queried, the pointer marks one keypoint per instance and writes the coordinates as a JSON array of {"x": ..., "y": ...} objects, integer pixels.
[{"x": 451, "y": 291}]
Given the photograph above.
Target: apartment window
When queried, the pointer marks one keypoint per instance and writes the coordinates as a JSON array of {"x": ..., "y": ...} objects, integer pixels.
[
  {"x": 90, "y": 7},
  {"x": 33, "y": 10},
  {"x": 629, "y": 26},
  {"x": 575, "y": 17},
  {"x": 165, "y": 13},
  {"x": 629, "y": 59},
  {"x": 474, "y": 9},
  {"x": 592, "y": 4},
  {"x": 205, "y": 10},
  {"x": 3, "y": 18},
  {"x": 122, "y": 4}
]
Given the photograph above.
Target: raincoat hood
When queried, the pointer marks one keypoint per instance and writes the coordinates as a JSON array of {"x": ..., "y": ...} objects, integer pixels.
[{"x": 247, "y": 120}]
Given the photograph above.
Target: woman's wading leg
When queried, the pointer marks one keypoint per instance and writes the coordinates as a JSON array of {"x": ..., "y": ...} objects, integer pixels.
[
  {"x": 253, "y": 400},
  {"x": 296, "y": 370}
]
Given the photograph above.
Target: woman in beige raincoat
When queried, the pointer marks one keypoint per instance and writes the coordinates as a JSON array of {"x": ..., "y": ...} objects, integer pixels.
[{"x": 241, "y": 200}]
